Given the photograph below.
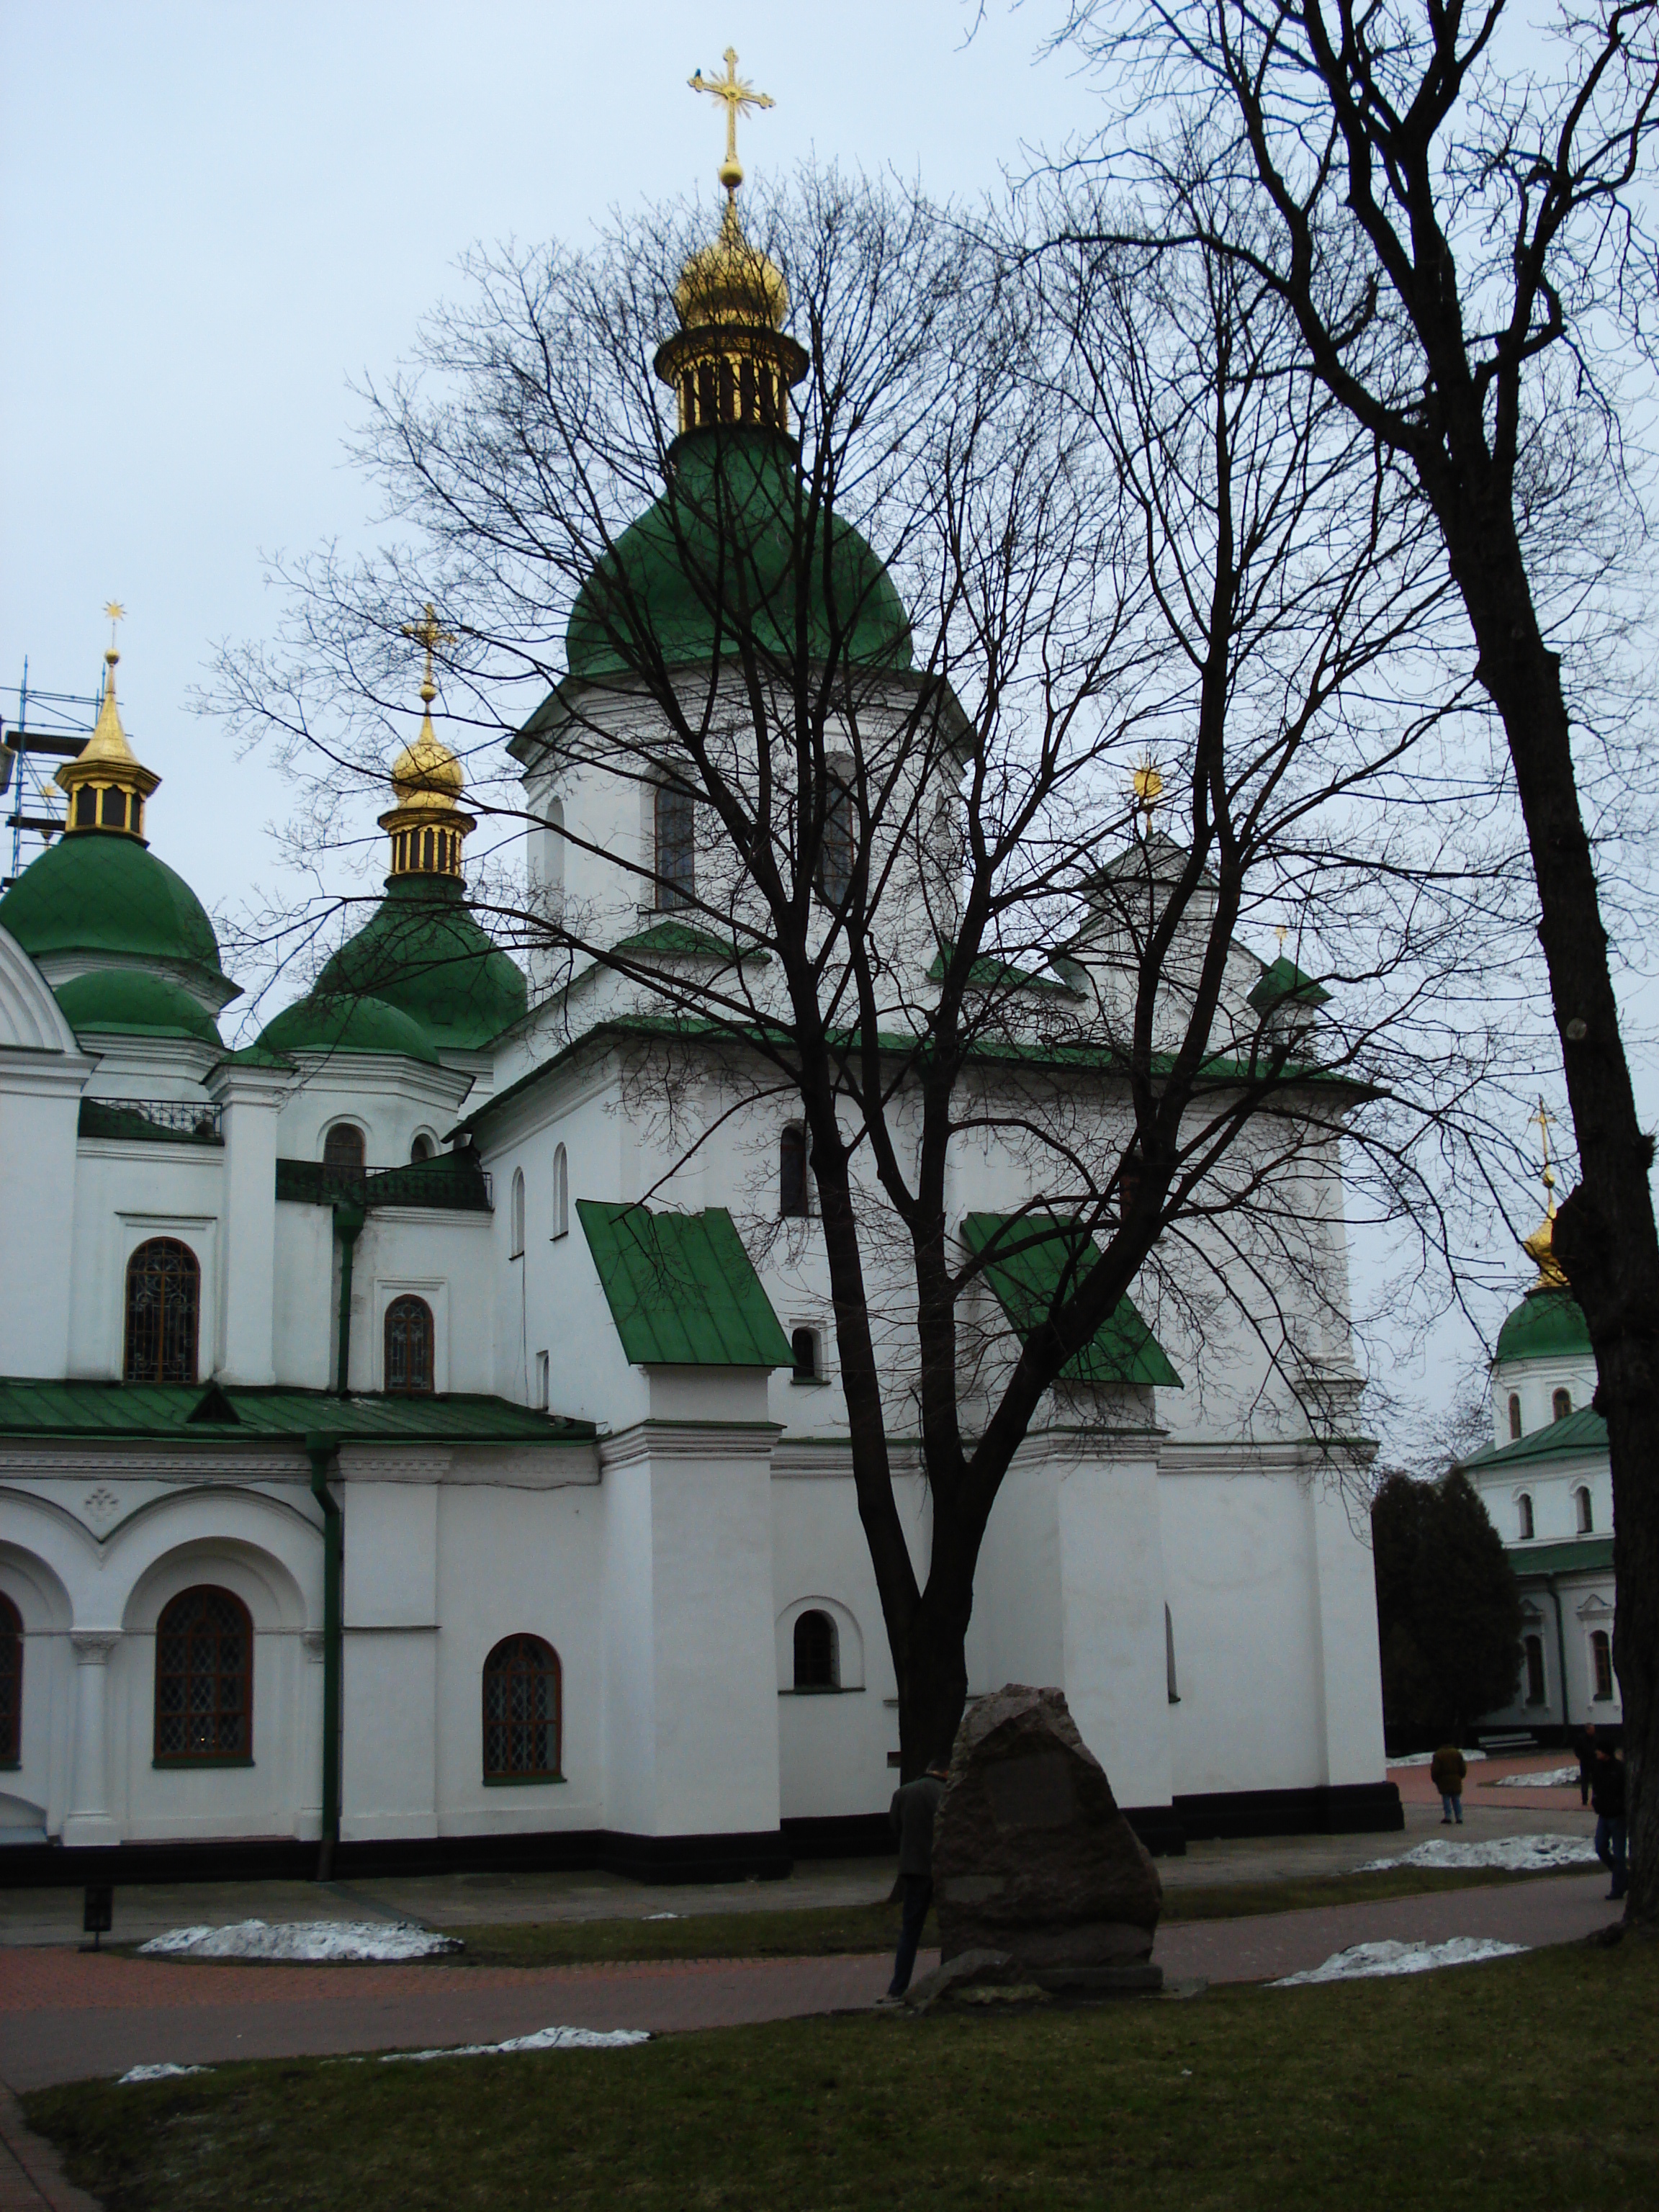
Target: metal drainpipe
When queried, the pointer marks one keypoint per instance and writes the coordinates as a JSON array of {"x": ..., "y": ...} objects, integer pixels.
[
  {"x": 321, "y": 1449},
  {"x": 347, "y": 1227},
  {"x": 1561, "y": 1658}
]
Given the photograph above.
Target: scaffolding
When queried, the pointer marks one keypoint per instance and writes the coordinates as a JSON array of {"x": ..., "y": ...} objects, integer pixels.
[{"x": 48, "y": 726}]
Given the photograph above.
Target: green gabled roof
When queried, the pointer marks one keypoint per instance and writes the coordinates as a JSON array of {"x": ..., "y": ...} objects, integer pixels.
[
  {"x": 1284, "y": 981},
  {"x": 1043, "y": 1261},
  {"x": 1583, "y": 1555},
  {"x": 681, "y": 1289},
  {"x": 987, "y": 974},
  {"x": 1548, "y": 1323},
  {"x": 195, "y": 1409},
  {"x": 684, "y": 939},
  {"x": 1578, "y": 1435}
]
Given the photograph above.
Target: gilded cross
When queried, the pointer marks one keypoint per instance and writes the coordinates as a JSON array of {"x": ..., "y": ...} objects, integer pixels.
[
  {"x": 1146, "y": 786},
  {"x": 739, "y": 98},
  {"x": 116, "y": 612},
  {"x": 426, "y": 632},
  {"x": 1544, "y": 1120}
]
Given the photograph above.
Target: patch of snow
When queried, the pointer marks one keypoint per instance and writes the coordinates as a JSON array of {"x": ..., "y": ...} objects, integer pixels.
[
  {"x": 1558, "y": 1777},
  {"x": 1427, "y": 1758},
  {"x": 1363, "y": 1961},
  {"x": 302, "y": 1940},
  {"x": 1521, "y": 1854},
  {"x": 545, "y": 2038},
  {"x": 664, "y": 1916},
  {"x": 166, "y": 2072}
]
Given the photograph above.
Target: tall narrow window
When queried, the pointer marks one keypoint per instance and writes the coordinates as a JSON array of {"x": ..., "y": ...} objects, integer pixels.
[
  {"x": 1534, "y": 1647},
  {"x": 1514, "y": 1417},
  {"x": 1561, "y": 1404},
  {"x": 792, "y": 1172},
  {"x": 677, "y": 860},
  {"x": 835, "y": 855},
  {"x": 113, "y": 813},
  {"x": 818, "y": 1655},
  {"x": 521, "y": 1700},
  {"x": 342, "y": 1147},
  {"x": 204, "y": 1678},
  {"x": 11, "y": 1683},
  {"x": 804, "y": 1343},
  {"x": 1586, "y": 1516},
  {"x": 1524, "y": 1509},
  {"x": 544, "y": 1384},
  {"x": 515, "y": 1249},
  {"x": 561, "y": 1192},
  {"x": 1601, "y": 1664},
  {"x": 408, "y": 1336},
  {"x": 1169, "y": 1658},
  {"x": 164, "y": 1302}
]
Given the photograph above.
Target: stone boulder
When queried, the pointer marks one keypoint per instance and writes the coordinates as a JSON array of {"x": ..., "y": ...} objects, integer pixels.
[{"x": 1032, "y": 1857}]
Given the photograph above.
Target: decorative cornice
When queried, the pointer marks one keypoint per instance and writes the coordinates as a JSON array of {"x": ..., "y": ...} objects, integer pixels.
[{"x": 689, "y": 1440}]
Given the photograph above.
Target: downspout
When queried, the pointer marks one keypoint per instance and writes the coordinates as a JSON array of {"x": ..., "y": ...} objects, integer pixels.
[
  {"x": 347, "y": 1227},
  {"x": 320, "y": 1450},
  {"x": 1561, "y": 1657}
]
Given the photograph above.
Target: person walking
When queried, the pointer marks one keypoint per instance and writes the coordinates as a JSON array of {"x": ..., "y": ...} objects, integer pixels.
[
  {"x": 1446, "y": 1770},
  {"x": 912, "y": 1817},
  {"x": 1607, "y": 1798}
]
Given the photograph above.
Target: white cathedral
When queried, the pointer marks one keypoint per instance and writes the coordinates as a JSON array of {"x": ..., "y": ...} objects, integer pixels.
[{"x": 360, "y": 1488}]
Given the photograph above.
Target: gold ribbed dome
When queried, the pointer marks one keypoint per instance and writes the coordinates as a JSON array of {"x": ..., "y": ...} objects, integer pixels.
[
  {"x": 427, "y": 770},
  {"x": 730, "y": 282}
]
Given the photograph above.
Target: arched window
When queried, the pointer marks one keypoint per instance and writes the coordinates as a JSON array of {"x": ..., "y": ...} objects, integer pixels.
[
  {"x": 1581, "y": 1499},
  {"x": 422, "y": 1149},
  {"x": 836, "y": 856},
  {"x": 792, "y": 1172},
  {"x": 204, "y": 1678},
  {"x": 521, "y": 1700},
  {"x": 1523, "y": 1508},
  {"x": 1533, "y": 1648},
  {"x": 677, "y": 844},
  {"x": 1561, "y": 1405},
  {"x": 561, "y": 1192},
  {"x": 342, "y": 1147},
  {"x": 1601, "y": 1664},
  {"x": 818, "y": 1652},
  {"x": 11, "y": 1683},
  {"x": 409, "y": 1338},
  {"x": 515, "y": 1249},
  {"x": 804, "y": 1343},
  {"x": 86, "y": 808},
  {"x": 1514, "y": 1417},
  {"x": 164, "y": 1308}
]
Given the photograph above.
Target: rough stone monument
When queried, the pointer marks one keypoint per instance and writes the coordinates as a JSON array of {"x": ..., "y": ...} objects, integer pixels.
[{"x": 1032, "y": 1859}]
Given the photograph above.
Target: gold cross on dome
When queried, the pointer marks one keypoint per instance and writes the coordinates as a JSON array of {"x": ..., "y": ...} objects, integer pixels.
[
  {"x": 426, "y": 632},
  {"x": 1146, "y": 788},
  {"x": 116, "y": 613},
  {"x": 739, "y": 98},
  {"x": 1544, "y": 1121}
]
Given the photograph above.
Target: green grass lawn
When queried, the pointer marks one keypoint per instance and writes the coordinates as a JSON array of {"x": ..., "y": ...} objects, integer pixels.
[{"x": 1527, "y": 2082}]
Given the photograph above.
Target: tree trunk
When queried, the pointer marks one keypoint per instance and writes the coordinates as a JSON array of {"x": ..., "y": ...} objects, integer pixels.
[{"x": 933, "y": 1679}]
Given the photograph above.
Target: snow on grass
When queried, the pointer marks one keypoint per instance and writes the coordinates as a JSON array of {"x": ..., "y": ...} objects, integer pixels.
[
  {"x": 164, "y": 2072},
  {"x": 301, "y": 1941},
  {"x": 1363, "y": 1961},
  {"x": 545, "y": 2038},
  {"x": 1520, "y": 1854},
  {"x": 1558, "y": 1777}
]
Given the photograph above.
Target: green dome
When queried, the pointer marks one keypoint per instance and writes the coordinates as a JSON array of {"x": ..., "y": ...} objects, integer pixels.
[
  {"x": 127, "y": 1001},
  {"x": 99, "y": 892},
  {"x": 321, "y": 1024},
  {"x": 728, "y": 529},
  {"x": 423, "y": 952},
  {"x": 1548, "y": 1324}
]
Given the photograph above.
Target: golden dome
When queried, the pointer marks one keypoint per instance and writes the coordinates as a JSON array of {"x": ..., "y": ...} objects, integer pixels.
[
  {"x": 106, "y": 782},
  {"x": 730, "y": 283},
  {"x": 427, "y": 773}
]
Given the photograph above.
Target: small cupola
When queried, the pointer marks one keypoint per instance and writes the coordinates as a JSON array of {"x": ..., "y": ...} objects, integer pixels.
[
  {"x": 107, "y": 784},
  {"x": 427, "y": 826},
  {"x": 731, "y": 363}
]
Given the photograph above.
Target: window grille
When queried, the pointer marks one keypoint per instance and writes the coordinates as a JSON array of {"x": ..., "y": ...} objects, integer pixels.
[
  {"x": 1534, "y": 1653},
  {"x": 676, "y": 837},
  {"x": 1561, "y": 1404},
  {"x": 1602, "y": 1663},
  {"x": 1514, "y": 1417},
  {"x": 204, "y": 1677},
  {"x": 817, "y": 1657},
  {"x": 792, "y": 1172},
  {"x": 11, "y": 1683},
  {"x": 408, "y": 1342},
  {"x": 163, "y": 1317},
  {"x": 1523, "y": 1508},
  {"x": 342, "y": 1147},
  {"x": 522, "y": 1711}
]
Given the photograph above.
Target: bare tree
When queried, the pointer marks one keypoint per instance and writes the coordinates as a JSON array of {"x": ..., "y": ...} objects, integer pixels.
[
  {"x": 910, "y": 877},
  {"x": 1450, "y": 206}
]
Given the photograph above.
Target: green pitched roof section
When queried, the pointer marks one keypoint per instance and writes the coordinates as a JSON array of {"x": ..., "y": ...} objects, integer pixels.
[
  {"x": 1284, "y": 981},
  {"x": 423, "y": 953},
  {"x": 1548, "y": 1323},
  {"x": 722, "y": 559},
  {"x": 322, "y": 1024},
  {"x": 1041, "y": 1262},
  {"x": 1586, "y": 1555},
  {"x": 195, "y": 1411},
  {"x": 683, "y": 940},
  {"x": 681, "y": 1289},
  {"x": 988, "y": 974},
  {"x": 1578, "y": 1435},
  {"x": 93, "y": 895},
  {"x": 128, "y": 1002}
]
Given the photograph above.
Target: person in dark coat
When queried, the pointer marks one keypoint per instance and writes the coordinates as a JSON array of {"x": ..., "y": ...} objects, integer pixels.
[
  {"x": 1607, "y": 1797},
  {"x": 912, "y": 1817},
  {"x": 1586, "y": 1762},
  {"x": 1446, "y": 1771}
]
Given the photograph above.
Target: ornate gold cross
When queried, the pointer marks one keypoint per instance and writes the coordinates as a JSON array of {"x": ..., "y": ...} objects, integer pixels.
[
  {"x": 739, "y": 98},
  {"x": 116, "y": 612},
  {"x": 1544, "y": 1120},
  {"x": 426, "y": 632}
]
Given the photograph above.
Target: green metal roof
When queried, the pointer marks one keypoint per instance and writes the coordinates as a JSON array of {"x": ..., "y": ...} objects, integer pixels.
[
  {"x": 1284, "y": 981},
  {"x": 184, "y": 1411},
  {"x": 681, "y": 1289},
  {"x": 1578, "y": 1436},
  {"x": 321, "y": 1024},
  {"x": 1044, "y": 1262},
  {"x": 1548, "y": 1323},
  {"x": 95, "y": 892},
  {"x": 424, "y": 952},
  {"x": 684, "y": 939},
  {"x": 1584, "y": 1555},
  {"x": 129, "y": 1002}
]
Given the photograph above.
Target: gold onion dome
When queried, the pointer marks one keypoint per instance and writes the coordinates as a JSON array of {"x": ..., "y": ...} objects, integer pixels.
[
  {"x": 106, "y": 782},
  {"x": 427, "y": 826}
]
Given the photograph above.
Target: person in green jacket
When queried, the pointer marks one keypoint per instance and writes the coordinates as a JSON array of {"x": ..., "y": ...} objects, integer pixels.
[{"x": 1446, "y": 1770}]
